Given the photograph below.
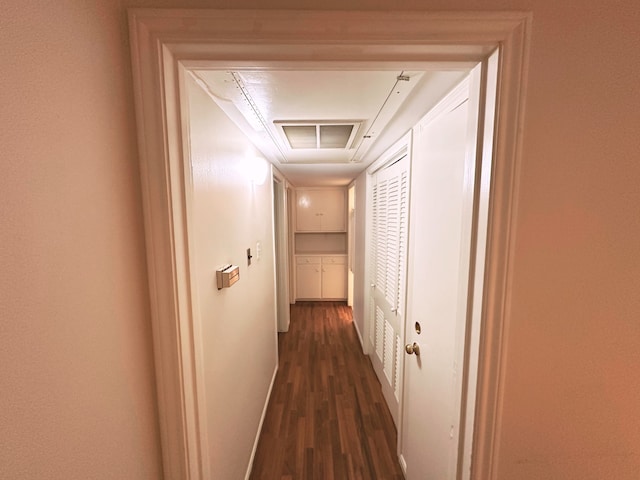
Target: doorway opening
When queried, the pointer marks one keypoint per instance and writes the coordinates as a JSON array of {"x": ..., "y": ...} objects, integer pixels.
[{"x": 166, "y": 44}]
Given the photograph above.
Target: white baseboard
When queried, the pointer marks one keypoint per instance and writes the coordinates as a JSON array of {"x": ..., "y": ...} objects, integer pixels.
[
  {"x": 403, "y": 464},
  {"x": 264, "y": 413},
  {"x": 355, "y": 324}
]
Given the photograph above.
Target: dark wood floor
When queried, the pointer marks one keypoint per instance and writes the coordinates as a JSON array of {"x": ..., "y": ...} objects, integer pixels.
[{"x": 326, "y": 418}]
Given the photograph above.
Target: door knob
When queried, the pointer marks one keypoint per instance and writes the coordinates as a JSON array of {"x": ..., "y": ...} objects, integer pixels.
[{"x": 411, "y": 349}]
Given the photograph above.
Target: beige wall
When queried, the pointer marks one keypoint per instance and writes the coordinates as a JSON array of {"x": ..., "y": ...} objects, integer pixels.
[
  {"x": 572, "y": 389},
  {"x": 76, "y": 366},
  {"x": 77, "y": 396},
  {"x": 238, "y": 324}
]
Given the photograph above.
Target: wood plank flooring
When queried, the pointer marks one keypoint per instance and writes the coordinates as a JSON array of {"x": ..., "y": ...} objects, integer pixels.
[{"x": 326, "y": 418}]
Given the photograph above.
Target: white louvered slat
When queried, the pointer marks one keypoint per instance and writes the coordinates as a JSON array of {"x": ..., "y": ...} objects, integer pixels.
[
  {"x": 396, "y": 374},
  {"x": 381, "y": 237},
  {"x": 389, "y": 351},
  {"x": 392, "y": 243},
  {"x": 403, "y": 217},
  {"x": 380, "y": 333},
  {"x": 374, "y": 234},
  {"x": 372, "y": 316}
]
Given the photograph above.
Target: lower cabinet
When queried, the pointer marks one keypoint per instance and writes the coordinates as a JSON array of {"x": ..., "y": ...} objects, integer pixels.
[
  {"x": 321, "y": 277},
  {"x": 334, "y": 281},
  {"x": 308, "y": 281}
]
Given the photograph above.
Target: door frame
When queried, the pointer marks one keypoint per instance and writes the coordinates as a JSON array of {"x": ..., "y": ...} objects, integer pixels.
[
  {"x": 281, "y": 249},
  {"x": 166, "y": 43},
  {"x": 351, "y": 241}
]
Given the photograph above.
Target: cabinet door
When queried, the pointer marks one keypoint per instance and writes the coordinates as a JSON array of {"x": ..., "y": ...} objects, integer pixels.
[
  {"x": 334, "y": 281},
  {"x": 321, "y": 210},
  {"x": 308, "y": 281},
  {"x": 333, "y": 211},
  {"x": 307, "y": 211}
]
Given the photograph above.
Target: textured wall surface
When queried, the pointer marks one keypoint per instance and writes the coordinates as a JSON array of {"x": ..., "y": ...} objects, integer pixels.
[
  {"x": 76, "y": 366},
  {"x": 77, "y": 398}
]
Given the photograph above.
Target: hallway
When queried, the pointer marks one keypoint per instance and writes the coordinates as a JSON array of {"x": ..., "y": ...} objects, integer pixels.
[{"x": 326, "y": 418}]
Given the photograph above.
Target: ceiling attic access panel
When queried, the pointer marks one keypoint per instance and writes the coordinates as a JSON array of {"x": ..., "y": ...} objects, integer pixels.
[
  {"x": 348, "y": 109},
  {"x": 318, "y": 135}
]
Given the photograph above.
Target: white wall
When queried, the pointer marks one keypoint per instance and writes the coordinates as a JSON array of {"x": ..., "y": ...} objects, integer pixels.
[{"x": 231, "y": 214}]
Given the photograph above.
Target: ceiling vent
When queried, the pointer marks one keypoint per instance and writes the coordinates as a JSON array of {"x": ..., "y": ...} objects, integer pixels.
[{"x": 318, "y": 135}]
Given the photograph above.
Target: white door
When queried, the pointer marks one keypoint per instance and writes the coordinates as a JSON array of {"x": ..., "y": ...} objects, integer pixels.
[
  {"x": 390, "y": 207},
  {"x": 442, "y": 198}
]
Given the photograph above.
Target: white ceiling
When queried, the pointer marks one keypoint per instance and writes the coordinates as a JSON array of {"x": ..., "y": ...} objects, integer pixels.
[{"x": 385, "y": 106}]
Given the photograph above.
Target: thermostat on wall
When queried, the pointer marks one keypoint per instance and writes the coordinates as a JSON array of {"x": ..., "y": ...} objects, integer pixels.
[{"x": 227, "y": 276}]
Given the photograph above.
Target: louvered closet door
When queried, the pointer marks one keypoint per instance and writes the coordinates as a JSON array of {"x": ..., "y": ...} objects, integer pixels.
[{"x": 389, "y": 250}]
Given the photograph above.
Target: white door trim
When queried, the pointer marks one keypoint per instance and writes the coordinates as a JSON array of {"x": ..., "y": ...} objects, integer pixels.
[
  {"x": 164, "y": 42},
  {"x": 281, "y": 250}
]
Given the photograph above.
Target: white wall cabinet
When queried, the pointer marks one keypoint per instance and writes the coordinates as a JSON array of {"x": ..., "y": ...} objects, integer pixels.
[
  {"x": 321, "y": 277},
  {"x": 321, "y": 210}
]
